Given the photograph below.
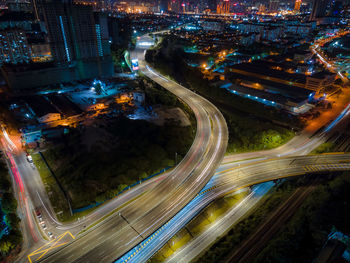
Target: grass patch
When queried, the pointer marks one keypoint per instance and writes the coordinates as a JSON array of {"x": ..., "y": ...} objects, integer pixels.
[
  {"x": 239, "y": 232},
  {"x": 57, "y": 199},
  {"x": 93, "y": 163},
  {"x": 302, "y": 238},
  {"x": 324, "y": 148},
  {"x": 198, "y": 225}
]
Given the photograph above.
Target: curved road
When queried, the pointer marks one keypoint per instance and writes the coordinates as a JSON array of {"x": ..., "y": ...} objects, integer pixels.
[
  {"x": 119, "y": 233},
  {"x": 139, "y": 218},
  {"x": 229, "y": 181}
]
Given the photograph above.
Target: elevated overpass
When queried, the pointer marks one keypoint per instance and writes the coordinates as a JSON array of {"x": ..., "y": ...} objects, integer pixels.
[{"x": 231, "y": 180}]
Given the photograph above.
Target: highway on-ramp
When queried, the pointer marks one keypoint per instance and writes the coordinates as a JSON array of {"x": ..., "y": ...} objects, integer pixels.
[
  {"x": 232, "y": 180},
  {"x": 121, "y": 232}
]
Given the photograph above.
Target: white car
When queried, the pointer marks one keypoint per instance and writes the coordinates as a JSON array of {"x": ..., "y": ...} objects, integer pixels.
[
  {"x": 44, "y": 226},
  {"x": 50, "y": 235},
  {"x": 29, "y": 158}
]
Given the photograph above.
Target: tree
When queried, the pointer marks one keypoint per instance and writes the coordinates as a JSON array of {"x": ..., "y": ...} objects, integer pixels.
[
  {"x": 5, "y": 246},
  {"x": 4, "y": 183},
  {"x": 98, "y": 88},
  {"x": 12, "y": 219},
  {"x": 8, "y": 203}
]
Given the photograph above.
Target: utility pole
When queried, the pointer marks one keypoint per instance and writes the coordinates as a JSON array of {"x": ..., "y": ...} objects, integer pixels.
[{"x": 120, "y": 214}]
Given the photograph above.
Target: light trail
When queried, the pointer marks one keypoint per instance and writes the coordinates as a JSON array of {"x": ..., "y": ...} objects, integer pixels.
[
  {"x": 338, "y": 119},
  {"x": 9, "y": 141},
  {"x": 22, "y": 196},
  {"x": 156, "y": 74},
  {"x": 47, "y": 211}
]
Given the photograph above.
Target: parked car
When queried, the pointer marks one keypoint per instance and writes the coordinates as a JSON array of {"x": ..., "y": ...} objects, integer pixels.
[
  {"x": 29, "y": 158},
  {"x": 37, "y": 212},
  {"x": 50, "y": 235}
]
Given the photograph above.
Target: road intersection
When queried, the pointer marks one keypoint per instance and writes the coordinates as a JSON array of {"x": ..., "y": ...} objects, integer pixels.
[{"x": 163, "y": 197}]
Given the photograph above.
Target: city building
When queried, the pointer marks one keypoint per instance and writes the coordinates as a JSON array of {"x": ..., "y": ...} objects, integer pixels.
[
  {"x": 267, "y": 31},
  {"x": 38, "y": 41},
  {"x": 42, "y": 109},
  {"x": 295, "y": 27},
  {"x": 297, "y": 5},
  {"x": 76, "y": 42},
  {"x": 14, "y": 48},
  {"x": 280, "y": 79},
  {"x": 212, "y": 25},
  {"x": 249, "y": 38},
  {"x": 336, "y": 8},
  {"x": 319, "y": 9},
  {"x": 295, "y": 105},
  {"x": 223, "y": 7},
  {"x": 163, "y": 5},
  {"x": 72, "y": 31},
  {"x": 212, "y": 5},
  {"x": 274, "y": 5},
  {"x": 319, "y": 82},
  {"x": 262, "y": 8},
  {"x": 175, "y": 6}
]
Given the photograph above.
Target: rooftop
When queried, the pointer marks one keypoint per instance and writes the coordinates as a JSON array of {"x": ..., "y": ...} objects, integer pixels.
[
  {"x": 40, "y": 105},
  {"x": 64, "y": 105}
]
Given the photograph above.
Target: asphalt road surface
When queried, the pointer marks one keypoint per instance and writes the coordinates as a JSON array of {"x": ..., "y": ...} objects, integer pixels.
[{"x": 123, "y": 231}]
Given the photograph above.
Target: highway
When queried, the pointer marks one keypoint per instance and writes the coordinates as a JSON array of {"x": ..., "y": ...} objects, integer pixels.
[
  {"x": 143, "y": 216},
  {"x": 120, "y": 232},
  {"x": 218, "y": 228},
  {"x": 231, "y": 180},
  {"x": 334, "y": 67}
]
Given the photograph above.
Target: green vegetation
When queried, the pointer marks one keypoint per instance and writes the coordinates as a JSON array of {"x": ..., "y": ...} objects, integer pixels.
[
  {"x": 305, "y": 234},
  {"x": 155, "y": 94},
  {"x": 123, "y": 152},
  {"x": 301, "y": 239},
  {"x": 123, "y": 44},
  {"x": 250, "y": 223},
  {"x": 324, "y": 148},
  {"x": 9, "y": 243},
  {"x": 252, "y": 126},
  {"x": 56, "y": 196},
  {"x": 198, "y": 225}
]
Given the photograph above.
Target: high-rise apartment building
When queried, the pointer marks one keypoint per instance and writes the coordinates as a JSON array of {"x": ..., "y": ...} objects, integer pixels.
[
  {"x": 77, "y": 36},
  {"x": 71, "y": 29},
  {"x": 175, "y": 6},
  {"x": 336, "y": 9},
  {"x": 274, "y": 5},
  {"x": 163, "y": 5},
  {"x": 223, "y": 7},
  {"x": 212, "y": 4},
  {"x": 319, "y": 9},
  {"x": 297, "y": 5}
]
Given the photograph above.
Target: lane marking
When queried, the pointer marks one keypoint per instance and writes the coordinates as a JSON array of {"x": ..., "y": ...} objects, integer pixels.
[{"x": 43, "y": 250}]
